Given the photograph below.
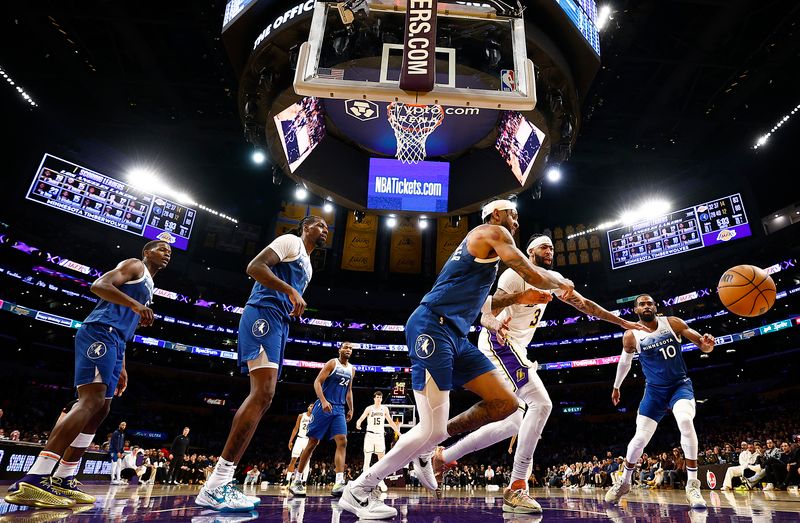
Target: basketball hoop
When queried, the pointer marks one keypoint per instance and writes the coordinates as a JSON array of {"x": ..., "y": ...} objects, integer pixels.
[{"x": 412, "y": 124}]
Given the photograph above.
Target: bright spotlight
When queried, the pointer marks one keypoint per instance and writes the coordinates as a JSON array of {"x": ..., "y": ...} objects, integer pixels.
[
  {"x": 629, "y": 217},
  {"x": 258, "y": 157},
  {"x": 554, "y": 174},
  {"x": 327, "y": 207},
  {"x": 654, "y": 208},
  {"x": 300, "y": 193},
  {"x": 423, "y": 223},
  {"x": 603, "y": 16},
  {"x": 391, "y": 222}
]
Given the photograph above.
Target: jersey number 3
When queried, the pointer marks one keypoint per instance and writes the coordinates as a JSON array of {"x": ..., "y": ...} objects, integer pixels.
[{"x": 668, "y": 352}]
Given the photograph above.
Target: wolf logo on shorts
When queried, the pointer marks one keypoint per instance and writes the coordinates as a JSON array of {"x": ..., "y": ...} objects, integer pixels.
[
  {"x": 260, "y": 328},
  {"x": 425, "y": 346},
  {"x": 96, "y": 350}
]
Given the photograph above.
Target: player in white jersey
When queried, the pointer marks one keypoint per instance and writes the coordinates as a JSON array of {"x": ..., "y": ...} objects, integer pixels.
[
  {"x": 374, "y": 438},
  {"x": 511, "y": 317},
  {"x": 298, "y": 445}
]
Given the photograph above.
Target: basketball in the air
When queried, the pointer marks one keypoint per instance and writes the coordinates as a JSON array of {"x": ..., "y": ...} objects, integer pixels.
[{"x": 746, "y": 290}]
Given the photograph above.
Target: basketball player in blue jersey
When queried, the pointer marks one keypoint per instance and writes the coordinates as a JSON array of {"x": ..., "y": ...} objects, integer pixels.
[
  {"x": 329, "y": 417},
  {"x": 666, "y": 387},
  {"x": 281, "y": 272},
  {"x": 516, "y": 310},
  {"x": 442, "y": 357},
  {"x": 100, "y": 375}
]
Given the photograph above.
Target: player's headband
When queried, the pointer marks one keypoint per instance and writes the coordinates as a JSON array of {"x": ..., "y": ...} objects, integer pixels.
[
  {"x": 539, "y": 240},
  {"x": 497, "y": 205}
]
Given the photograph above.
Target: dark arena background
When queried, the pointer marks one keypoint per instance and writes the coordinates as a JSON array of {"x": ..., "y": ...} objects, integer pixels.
[{"x": 654, "y": 141}]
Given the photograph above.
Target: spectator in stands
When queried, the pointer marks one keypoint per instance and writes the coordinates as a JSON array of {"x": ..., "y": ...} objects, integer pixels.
[
  {"x": 489, "y": 475},
  {"x": 678, "y": 474},
  {"x": 792, "y": 458},
  {"x": 14, "y": 436},
  {"x": 252, "y": 476},
  {"x": 729, "y": 455},
  {"x": 3, "y": 434},
  {"x": 710, "y": 457},
  {"x": 177, "y": 453},
  {"x": 747, "y": 460}
]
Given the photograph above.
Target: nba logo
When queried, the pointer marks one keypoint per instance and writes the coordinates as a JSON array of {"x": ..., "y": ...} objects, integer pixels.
[
  {"x": 507, "y": 81},
  {"x": 711, "y": 479}
]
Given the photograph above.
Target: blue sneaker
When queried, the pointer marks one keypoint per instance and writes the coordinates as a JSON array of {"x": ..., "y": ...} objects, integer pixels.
[{"x": 224, "y": 498}]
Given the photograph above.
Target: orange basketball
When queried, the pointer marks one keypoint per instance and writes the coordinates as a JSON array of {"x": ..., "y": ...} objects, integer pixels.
[{"x": 746, "y": 290}]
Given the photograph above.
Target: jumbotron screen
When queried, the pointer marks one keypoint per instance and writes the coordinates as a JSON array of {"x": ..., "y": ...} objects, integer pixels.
[
  {"x": 82, "y": 192},
  {"x": 709, "y": 223}
]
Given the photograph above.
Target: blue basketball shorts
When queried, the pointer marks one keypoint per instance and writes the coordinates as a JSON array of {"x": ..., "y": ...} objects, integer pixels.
[
  {"x": 658, "y": 399},
  {"x": 262, "y": 329},
  {"x": 99, "y": 354},
  {"x": 326, "y": 425},
  {"x": 435, "y": 348}
]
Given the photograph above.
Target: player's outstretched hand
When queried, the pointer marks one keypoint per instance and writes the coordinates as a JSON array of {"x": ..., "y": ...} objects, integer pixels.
[
  {"x": 629, "y": 325},
  {"x": 707, "y": 342},
  {"x": 534, "y": 297},
  {"x": 145, "y": 314},
  {"x": 567, "y": 286},
  {"x": 615, "y": 397},
  {"x": 298, "y": 304}
]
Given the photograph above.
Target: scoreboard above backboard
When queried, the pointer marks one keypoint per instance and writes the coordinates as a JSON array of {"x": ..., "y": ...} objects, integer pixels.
[
  {"x": 74, "y": 189},
  {"x": 709, "y": 223}
]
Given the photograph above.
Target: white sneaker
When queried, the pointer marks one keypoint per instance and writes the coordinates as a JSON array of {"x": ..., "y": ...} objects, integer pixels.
[
  {"x": 297, "y": 489},
  {"x": 255, "y": 500},
  {"x": 337, "y": 489},
  {"x": 224, "y": 498},
  {"x": 424, "y": 469},
  {"x": 383, "y": 486},
  {"x": 769, "y": 486},
  {"x": 365, "y": 504},
  {"x": 616, "y": 492},
  {"x": 693, "y": 494}
]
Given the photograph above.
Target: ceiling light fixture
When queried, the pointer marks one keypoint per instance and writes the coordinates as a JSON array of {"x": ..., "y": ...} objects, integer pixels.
[{"x": 764, "y": 138}]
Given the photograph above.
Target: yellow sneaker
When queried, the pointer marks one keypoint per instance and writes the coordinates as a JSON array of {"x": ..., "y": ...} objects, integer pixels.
[
  {"x": 520, "y": 502},
  {"x": 36, "y": 491},
  {"x": 70, "y": 488}
]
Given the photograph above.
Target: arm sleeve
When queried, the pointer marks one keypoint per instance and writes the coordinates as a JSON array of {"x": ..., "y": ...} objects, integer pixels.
[
  {"x": 623, "y": 367},
  {"x": 285, "y": 246}
]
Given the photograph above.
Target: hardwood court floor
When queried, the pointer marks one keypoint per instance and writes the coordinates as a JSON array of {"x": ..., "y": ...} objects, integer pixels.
[{"x": 168, "y": 503}]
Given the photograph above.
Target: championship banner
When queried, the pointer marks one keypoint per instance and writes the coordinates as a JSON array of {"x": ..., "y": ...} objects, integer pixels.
[
  {"x": 447, "y": 239},
  {"x": 418, "y": 72},
  {"x": 359, "y": 243},
  {"x": 405, "y": 254},
  {"x": 291, "y": 213}
]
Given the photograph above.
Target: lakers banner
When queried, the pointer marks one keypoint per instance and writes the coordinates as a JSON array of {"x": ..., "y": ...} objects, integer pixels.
[
  {"x": 448, "y": 238},
  {"x": 359, "y": 243},
  {"x": 405, "y": 254},
  {"x": 291, "y": 213}
]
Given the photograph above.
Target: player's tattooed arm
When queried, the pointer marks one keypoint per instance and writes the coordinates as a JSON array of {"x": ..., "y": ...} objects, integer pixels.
[
  {"x": 502, "y": 243},
  {"x": 705, "y": 342},
  {"x": 591, "y": 308}
]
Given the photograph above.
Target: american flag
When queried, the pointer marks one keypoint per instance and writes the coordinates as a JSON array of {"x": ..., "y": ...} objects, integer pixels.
[{"x": 330, "y": 74}]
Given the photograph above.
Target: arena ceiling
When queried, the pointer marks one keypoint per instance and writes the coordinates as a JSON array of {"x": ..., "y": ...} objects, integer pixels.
[{"x": 685, "y": 89}]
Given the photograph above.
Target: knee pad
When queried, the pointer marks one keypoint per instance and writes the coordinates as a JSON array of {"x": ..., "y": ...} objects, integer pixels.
[{"x": 684, "y": 411}]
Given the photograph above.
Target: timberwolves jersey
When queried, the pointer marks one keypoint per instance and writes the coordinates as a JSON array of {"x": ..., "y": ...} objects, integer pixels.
[
  {"x": 120, "y": 317},
  {"x": 294, "y": 269},
  {"x": 660, "y": 355},
  {"x": 305, "y": 419},
  {"x": 376, "y": 420},
  {"x": 461, "y": 288},
  {"x": 337, "y": 383}
]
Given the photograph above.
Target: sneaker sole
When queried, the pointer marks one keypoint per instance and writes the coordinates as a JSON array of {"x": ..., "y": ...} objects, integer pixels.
[
  {"x": 511, "y": 509},
  {"x": 200, "y": 503},
  {"x": 31, "y": 496},
  {"x": 80, "y": 498}
]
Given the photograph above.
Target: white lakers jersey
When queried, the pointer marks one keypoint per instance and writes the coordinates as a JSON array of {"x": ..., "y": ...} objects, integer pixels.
[
  {"x": 376, "y": 420},
  {"x": 305, "y": 419}
]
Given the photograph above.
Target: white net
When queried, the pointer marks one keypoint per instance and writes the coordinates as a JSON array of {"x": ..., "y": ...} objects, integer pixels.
[{"x": 412, "y": 124}]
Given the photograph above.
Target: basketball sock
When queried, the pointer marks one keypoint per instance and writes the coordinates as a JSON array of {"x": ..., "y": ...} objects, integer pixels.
[
  {"x": 66, "y": 469},
  {"x": 433, "y": 406},
  {"x": 306, "y": 471},
  {"x": 44, "y": 464},
  {"x": 627, "y": 473},
  {"x": 484, "y": 437},
  {"x": 691, "y": 473},
  {"x": 340, "y": 477},
  {"x": 289, "y": 476},
  {"x": 222, "y": 473},
  {"x": 367, "y": 460}
]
